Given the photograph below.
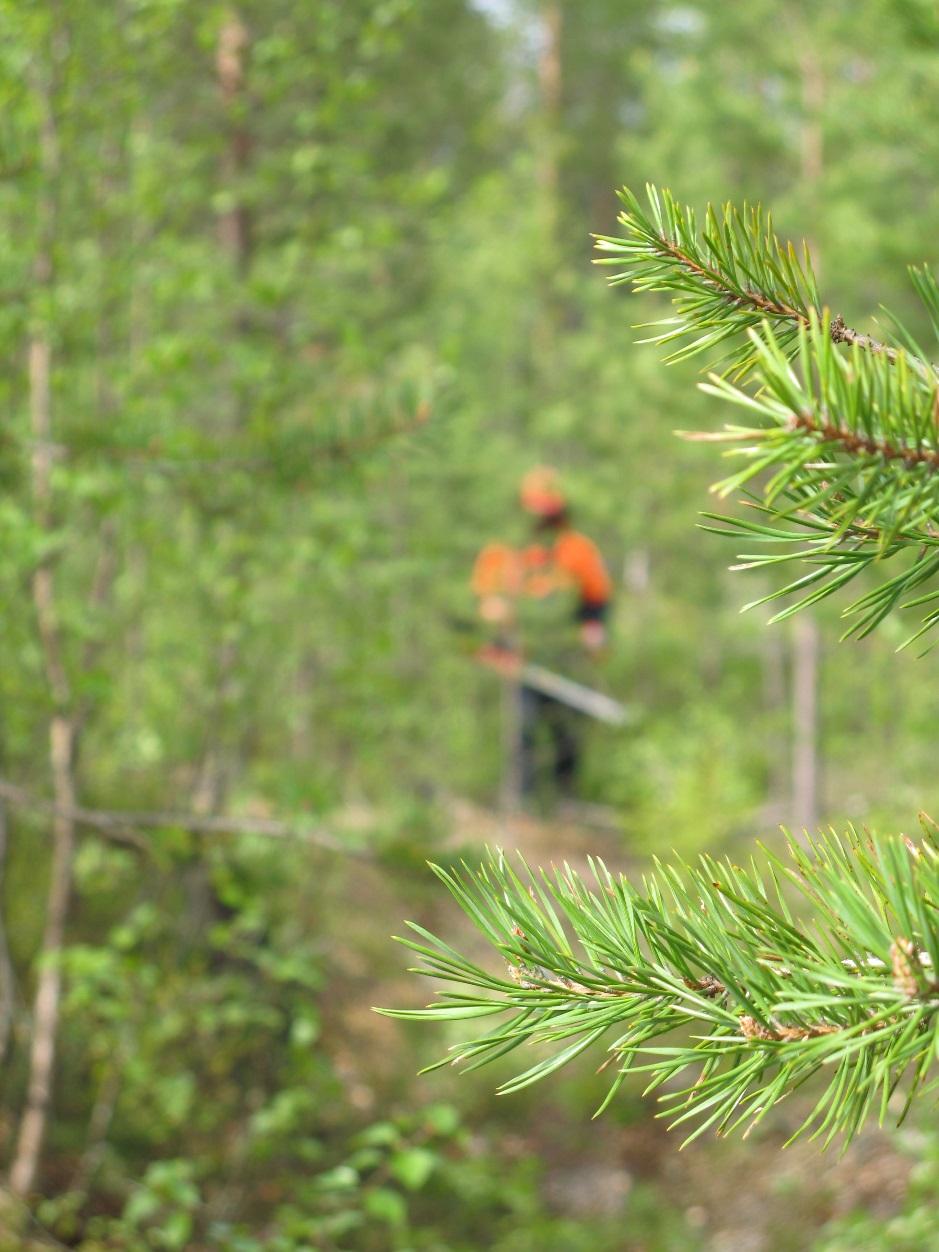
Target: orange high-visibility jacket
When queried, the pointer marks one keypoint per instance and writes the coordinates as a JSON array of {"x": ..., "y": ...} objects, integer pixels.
[{"x": 573, "y": 561}]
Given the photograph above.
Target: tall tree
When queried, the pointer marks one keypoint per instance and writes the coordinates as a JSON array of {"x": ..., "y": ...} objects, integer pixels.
[{"x": 63, "y": 722}]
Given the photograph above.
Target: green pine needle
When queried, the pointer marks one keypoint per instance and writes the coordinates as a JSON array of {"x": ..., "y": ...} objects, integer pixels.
[
  {"x": 724, "y": 280},
  {"x": 710, "y": 979},
  {"x": 844, "y": 452}
]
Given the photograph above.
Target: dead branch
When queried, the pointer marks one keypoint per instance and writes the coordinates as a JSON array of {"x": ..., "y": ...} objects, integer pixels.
[{"x": 125, "y": 827}]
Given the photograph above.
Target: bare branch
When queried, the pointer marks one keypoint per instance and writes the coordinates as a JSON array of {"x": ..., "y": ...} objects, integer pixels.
[
  {"x": 851, "y": 441},
  {"x": 840, "y": 333},
  {"x": 126, "y": 826}
]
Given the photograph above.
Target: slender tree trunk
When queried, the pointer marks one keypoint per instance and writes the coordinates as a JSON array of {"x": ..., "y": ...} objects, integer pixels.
[
  {"x": 7, "y": 983},
  {"x": 213, "y": 777},
  {"x": 234, "y": 224},
  {"x": 99, "y": 1123},
  {"x": 68, "y": 712},
  {"x": 548, "y": 170},
  {"x": 549, "y": 84},
  {"x": 805, "y": 633},
  {"x": 510, "y": 797},
  {"x": 813, "y": 105},
  {"x": 62, "y": 726},
  {"x": 775, "y": 705},
  {"x": 805, "y": 666}
]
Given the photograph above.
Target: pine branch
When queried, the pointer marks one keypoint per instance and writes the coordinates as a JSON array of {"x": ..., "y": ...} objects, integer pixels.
[
  {"x": 848, "y": 450},
  {"x": 763, "y": 1002},
  {"x": 852, "y": 449},
  {"x": 825, "y": 431},
  {"x": 844, "y": 334},
  {"x": 807, "y": 539},
  {"x": 726, "y": 280}
]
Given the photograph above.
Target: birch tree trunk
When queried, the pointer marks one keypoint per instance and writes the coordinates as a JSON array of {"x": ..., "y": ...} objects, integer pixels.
[
  {"x": 7, "y": 984},
  {"x": 234, "y": 222},
  {"x": 549, "y": 85},
  {"x": 63, "y": 729}
]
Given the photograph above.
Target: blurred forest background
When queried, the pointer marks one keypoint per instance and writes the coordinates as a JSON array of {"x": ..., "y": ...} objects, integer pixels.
[{"x": 293, "y": 292}]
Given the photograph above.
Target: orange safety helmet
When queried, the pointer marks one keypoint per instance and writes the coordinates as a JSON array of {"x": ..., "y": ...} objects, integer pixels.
[{"x": 540, "y": 494}]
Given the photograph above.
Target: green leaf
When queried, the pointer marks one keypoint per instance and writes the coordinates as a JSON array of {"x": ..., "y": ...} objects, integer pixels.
[
  {"x": 386, "y": 1205},
  {"x": 412, "y": 1167}
]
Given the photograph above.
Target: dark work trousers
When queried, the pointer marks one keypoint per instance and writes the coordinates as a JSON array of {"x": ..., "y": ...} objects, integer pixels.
[{"x": 549, "y": 742}]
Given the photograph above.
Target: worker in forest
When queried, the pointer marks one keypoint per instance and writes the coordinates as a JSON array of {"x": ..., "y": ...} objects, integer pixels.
[{"x": 546, "y": 602}]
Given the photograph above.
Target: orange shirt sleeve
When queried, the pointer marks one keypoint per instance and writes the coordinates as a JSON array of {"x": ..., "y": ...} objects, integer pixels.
[
  {"x": 579, "y": 558},
  {"x": 496, "y": 571}
]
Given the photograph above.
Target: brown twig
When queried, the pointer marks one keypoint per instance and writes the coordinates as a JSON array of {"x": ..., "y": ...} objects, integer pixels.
[
  {"x": 750, "y": 1028},
  {"x": 717, "y": 280},
  {"x": 831, "y": 432},
  {"x": 126, "y": 826},
  {"x": 840, "y": 333}
]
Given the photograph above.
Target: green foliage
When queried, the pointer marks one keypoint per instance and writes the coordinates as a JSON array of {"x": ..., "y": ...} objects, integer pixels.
[
  {"x": 719, "y": 950},
  {"x": 731, "y": 277},
  {"x": 257, "y": 543},
  {"x": 850, "y": 438},
  {"x": 852, "y": 443}
]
